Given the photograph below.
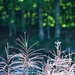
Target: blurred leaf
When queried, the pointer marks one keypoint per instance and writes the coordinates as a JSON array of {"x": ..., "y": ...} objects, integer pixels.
[
  {"x": 34, "y": 5},
  {"x": 63, "y": 25},
  {"x": 1, "y": 7},
  {"x": 28, "y": 13},
  {"x": 4, "y": 12},
  {"x": 52, "y": 25},
  {"x": 44, "y": 24},
  {"x": 3, "y": 17},
  {"x": 69, "y": 3},
  {"x": 25, "y": 15},
  {"x": 21, "y": 0},
  {"x": 33, "y": 14},
  {"x": 72, "y": 24},
  {"x": 17, "y": 8}
]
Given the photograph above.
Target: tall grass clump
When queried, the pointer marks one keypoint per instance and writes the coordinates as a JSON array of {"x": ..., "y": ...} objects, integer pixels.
[
  {"x": 30, "y": 58},
  {"x": 7, "y": 65},
  {"x": 61, "y": 64},
  {"x": 31, "y": 61}
]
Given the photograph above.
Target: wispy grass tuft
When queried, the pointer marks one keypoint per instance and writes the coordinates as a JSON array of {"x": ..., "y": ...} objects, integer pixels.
[
  {"x": 62, "y": 64},
  {"x": 29, "y": 57},
  {"x": 6, "y": 65},
  {"x": 31, "y": 61}
]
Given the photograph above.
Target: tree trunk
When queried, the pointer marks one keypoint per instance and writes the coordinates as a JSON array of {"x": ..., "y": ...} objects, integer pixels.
[
  {"x": 9, "y": 20},
  {"x": 73, "y": 12},
  {"x": 14, "y": 30},
  {"x": 10, "y": 31},
  {"x": 23, "y": 20},
  {"x": 41, "y": 31},
  {"x": 13, "y": 21},
  {"x": 57, "y": 15},
  {"x": 48, "y": 27}
]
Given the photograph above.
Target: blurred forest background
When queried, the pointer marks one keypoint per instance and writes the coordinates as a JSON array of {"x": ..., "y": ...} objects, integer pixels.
[{"x": 44, "y": 20}]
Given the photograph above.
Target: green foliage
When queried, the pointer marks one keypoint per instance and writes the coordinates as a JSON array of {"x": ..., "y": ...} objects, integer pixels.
[
  {"x": 1, "y": 7},
  {"x": 11, "y": 11},
  {"x": 34, "y": 5},
  {"x": 21, "y": 0},
  {"x": 17, "y": 8}
]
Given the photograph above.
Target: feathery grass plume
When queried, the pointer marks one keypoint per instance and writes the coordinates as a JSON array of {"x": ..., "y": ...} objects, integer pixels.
[
  {"x": 47, "y": 68},
  {"x": 61, "y": 64},
  {"x": 6, "y": 64},
  {"x": 29, "y": 57},
  {"x": 27, "y": 61}
]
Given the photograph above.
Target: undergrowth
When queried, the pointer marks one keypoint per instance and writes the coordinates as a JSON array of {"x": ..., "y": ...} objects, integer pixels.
[{"x": 31, "y": 61}]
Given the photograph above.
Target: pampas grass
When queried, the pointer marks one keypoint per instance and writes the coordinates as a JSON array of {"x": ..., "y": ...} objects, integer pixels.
[
  {"x": 61, "y": 64},
  {"x": 27, "y": 61}
]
